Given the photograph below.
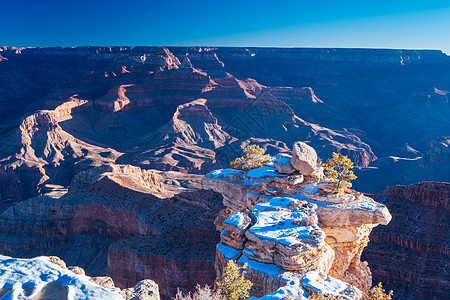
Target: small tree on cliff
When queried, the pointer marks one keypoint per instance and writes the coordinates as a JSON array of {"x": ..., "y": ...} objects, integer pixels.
[
  {"x": 254, "y": 158},
  {"x": 338, "y": 167},
  {"x": 232, "y": 284},
  {"x": 378, "y": 293}
]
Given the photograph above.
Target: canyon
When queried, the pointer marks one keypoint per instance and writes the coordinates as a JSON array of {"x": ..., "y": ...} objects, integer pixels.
[
  {"x": 412, "y": 253},
  {"x": 103, "y": 150}
]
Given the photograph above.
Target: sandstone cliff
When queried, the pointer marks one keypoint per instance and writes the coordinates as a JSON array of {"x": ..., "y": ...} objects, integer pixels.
[
  {"x": 411, "y": 254},
  {"x": 110, "y": 102},
  {"x": 288, "y": 226}
]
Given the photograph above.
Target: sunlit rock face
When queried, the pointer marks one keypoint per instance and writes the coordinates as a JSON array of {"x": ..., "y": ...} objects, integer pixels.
[
  {"x": 67, "y": 109},
  {"x": 288, "y": 226}
]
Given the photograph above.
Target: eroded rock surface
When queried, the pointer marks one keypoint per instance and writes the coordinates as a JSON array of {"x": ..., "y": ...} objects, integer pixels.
[
  {"x": 286, "y": 226},
  {"x": 411, "y": 254}
]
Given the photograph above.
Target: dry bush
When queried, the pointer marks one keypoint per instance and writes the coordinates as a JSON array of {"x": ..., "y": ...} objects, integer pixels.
[
  {"x": 338, "y": 168},
  {"x": 201, "y": 293},
  {"x": 378, "y": 293}
]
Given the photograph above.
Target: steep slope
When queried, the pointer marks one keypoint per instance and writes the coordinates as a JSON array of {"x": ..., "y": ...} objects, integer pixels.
[{"x": 411, "y": 254}]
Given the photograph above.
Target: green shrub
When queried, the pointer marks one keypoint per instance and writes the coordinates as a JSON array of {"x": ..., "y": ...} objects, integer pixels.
[
  {"x": 232, "y": 285},
  {"x": 254, "y": 158},
  {"x": 338, "y": 167}
]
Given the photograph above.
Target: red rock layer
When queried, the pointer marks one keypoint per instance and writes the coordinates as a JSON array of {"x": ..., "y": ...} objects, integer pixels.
[{"x": 411, "y": 254}]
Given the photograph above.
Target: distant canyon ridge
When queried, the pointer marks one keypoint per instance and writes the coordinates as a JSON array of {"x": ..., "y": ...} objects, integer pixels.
[
  {"x": 102, "y": 150},
  {"x": 193, "y": 109}
]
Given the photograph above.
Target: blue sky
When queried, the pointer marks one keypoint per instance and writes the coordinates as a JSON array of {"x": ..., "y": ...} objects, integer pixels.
[{"x": 278, "y": 23}]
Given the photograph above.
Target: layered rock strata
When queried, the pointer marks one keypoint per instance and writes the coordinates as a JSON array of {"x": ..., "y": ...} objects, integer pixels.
[
  {"x": 411, "y": 254},
  {"x": 286, "y": 226}
]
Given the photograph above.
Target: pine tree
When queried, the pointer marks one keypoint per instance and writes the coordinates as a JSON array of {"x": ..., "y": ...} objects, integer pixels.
[
  {"x": 338, "y": 167},
  {"x": 232, "y": 284},
  {"x": 254, "y": 158}
]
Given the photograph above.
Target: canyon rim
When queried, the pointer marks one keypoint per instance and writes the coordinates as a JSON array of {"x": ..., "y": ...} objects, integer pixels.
[{"x": 104, "y": 153}]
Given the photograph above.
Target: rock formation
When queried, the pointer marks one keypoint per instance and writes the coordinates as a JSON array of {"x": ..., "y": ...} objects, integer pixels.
[
  {"x": 124, "y": 103},
  {"x": 122, "y": 221},
  {"x": 288, "y": 226},
  {"x": 411, "y": 254},
  {"x": 76, "y": 123},
  {"x": 44, "y": 277}
]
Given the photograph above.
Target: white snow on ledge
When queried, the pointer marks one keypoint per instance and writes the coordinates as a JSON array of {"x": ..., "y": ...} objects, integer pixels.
[
  {"x": 222, "y": 173},
  {"x": 25, "y": 278},
  {"x": 264, "y": 172},
  {"x": 331, "y": 285}
]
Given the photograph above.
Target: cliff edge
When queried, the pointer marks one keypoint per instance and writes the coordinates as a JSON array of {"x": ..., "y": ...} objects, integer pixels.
[{"x": 294, "y": 234}]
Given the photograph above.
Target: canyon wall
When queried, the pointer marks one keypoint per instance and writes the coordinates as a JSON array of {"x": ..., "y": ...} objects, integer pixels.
[{"x": 411, "y": 254}]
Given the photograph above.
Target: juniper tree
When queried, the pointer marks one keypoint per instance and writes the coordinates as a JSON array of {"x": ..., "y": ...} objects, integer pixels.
[
  {"x": 254, "y": 158},
  {"x": 232, "y": 284},
  {"x": 338, "y": 167}
]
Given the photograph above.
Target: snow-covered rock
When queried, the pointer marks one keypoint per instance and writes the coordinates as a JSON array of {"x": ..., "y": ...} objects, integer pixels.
[
  {"x": 284, "y": 229},
  {"x": 48, "y": 278},
  {"x": 282, "y": 163},
  {"x": 39, "y": 278}
]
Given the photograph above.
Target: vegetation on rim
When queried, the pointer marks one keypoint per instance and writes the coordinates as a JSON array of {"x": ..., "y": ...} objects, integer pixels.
[
  {"x": 254, "y": 158},
  {"x": 338, "y": 168}
]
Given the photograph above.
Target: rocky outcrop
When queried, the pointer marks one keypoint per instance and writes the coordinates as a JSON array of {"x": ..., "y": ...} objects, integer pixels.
[
  {"x": 439, "y": 151},
  {"x": 46, "y": 277},
  {"x": 410, "y": 254},
  {"x": 286, "y": 226}
]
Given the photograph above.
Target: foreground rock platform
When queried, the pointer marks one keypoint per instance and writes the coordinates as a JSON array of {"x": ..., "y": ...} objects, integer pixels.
[
  {"x": 294, "y": 234},
  {"x": 48, "y": 278}
]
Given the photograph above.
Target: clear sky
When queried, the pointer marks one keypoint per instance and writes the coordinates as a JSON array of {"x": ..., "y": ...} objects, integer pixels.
[{"x": 413, "y": 24}]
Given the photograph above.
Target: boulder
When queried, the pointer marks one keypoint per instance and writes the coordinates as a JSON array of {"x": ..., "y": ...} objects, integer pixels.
[
  {"x": 77, "y": 270},
  {"x": 304, "y": 158},
  {"x": 283, "y": 164},
  {"x": 144, "y": 290}
]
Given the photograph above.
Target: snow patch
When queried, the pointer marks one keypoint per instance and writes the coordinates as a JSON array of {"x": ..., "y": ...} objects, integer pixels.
[
  {"x": 228, "y": 252},
  {"x": 264, "y": 172},
  {"x": 26, "y": 277},
  {"x": 311, "y": 189},
  {"x": 272, "y": 270},
  {"x": 223, "y": 173},
  {"x": 236, "y": 220},
  {"x": 329, "y": 286}
]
